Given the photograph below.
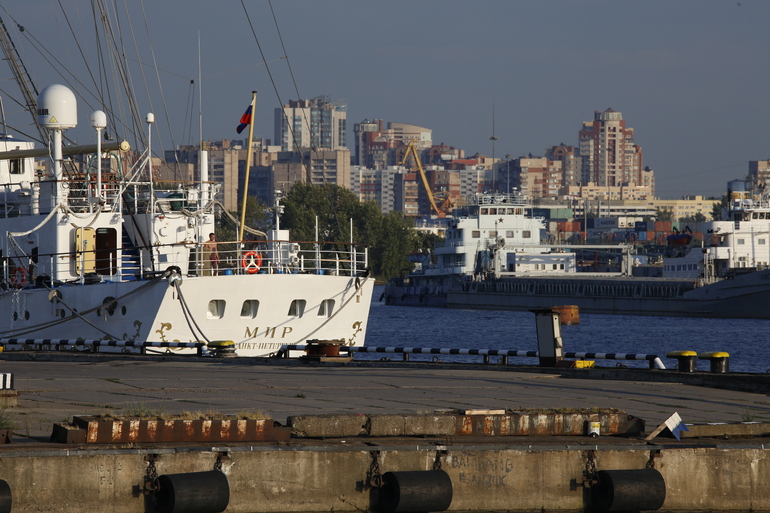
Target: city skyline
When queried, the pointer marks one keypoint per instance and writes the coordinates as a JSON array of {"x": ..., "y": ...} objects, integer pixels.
[{"x": 688, "y": 76}]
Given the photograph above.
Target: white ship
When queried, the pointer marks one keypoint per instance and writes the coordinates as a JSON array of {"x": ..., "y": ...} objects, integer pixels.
[
  {"x": 109, "y": 261},
  {"x": 487, "y": 262}
]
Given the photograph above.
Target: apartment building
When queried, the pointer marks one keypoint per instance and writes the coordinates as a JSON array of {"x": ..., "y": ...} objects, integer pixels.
[
  {"x": 608, "y": 153},
  {"x": 316, "y": 123},
  {"x": 536, "y": 177}
]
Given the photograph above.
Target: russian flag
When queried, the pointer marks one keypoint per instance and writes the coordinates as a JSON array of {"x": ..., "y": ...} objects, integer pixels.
[
  {"x": 676, "y": 425},
  {"x": 245, "y": 120}
]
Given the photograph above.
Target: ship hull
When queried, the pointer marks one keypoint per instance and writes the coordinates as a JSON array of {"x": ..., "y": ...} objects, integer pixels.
[
  {"x": 745, "y": 296},
  {"x": 259, "y": 312}
]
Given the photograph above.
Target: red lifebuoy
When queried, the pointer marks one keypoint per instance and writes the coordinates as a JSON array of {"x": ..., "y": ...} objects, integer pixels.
[
  {"x": 19, "y": 277},
  {"x": 251, "y": 262}
]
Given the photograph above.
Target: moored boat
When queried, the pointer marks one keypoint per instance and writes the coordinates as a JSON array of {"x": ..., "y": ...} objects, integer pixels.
[
  {"x": 114, "y": 260},
  {"x": 724, "y": 275}
]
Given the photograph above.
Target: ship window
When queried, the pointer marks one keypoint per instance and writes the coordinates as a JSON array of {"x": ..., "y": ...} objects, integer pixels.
[
  {"x": 493, "y": 211},
  {"x": 509, "y": 233},
  {"x": 484, "y": 211},
  {"x": 741, "y": 241},
  {"x": 16, "y": 166},
  {"x": 326, "y": 308},
  {"x": 249, "y": 308},
  {"x": 760, "y": 241},
  {"x": 526, "y": 234},
  {"x": 754, "y": 215},
  {"x": 561, "y": 266},
  {"x": 216, "y": 309},
  {"x": 475, "y": 234},
  {"x": 554, "y": 266},
  {"x": 492, "y": 233},
  {"x": 518, "y": 211},
  {"x": 297, "y": 308}
]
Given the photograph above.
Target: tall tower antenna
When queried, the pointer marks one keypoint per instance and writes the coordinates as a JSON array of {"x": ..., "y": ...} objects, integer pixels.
[{"x": 493, "y": 139}]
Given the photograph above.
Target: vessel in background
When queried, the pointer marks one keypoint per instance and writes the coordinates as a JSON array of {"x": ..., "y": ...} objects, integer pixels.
[{"x": 498, "y": 255}]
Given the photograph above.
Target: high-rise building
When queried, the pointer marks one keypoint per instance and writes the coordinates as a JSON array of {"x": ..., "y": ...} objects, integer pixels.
[
  {"x": 365, "y": 133},
  {"x": 570, "y": 162},
  {"x": 759, "y": 172},
  {"x": 609, "y": 155},
  {"x": 537, "y": 177},
  {"x": 318, "y": 123}
]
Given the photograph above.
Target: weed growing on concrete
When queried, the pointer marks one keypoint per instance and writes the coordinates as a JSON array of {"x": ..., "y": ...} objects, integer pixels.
[
  {"x": 300, "y": 395},
  {"x": 6, "y": 422},
  {"x": 746, "y": 416},
  {"x": 141, "y": 410},
  {"x": 253, "y": 415}
]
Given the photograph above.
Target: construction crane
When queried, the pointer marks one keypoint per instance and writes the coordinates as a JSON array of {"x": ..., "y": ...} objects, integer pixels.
[
  {"x": 412, "y": 149},
  {"x": 21, "y": 75}
]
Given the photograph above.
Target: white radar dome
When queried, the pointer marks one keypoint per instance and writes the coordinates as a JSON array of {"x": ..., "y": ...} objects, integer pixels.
[
  {"x": 57, "y": 107},
  {"x": 99, "y": 119}
]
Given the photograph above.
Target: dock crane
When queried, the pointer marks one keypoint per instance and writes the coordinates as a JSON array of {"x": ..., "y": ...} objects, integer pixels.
[{"x": 412, "y": 149}]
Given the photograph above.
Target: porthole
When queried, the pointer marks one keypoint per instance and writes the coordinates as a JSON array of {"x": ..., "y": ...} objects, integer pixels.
[
  {"x": 123, "y": 310},
  {"x": 297, "y": 308},
  {"x": 26, "y": 315},
  {"x": 249, "y": 308},
  {"x": 15, "y": 316}
]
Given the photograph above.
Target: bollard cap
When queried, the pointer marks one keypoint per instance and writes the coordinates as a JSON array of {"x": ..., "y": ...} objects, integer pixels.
[
  {"x": 675, "y": 354},
  {"x": 713, "y": 354}
]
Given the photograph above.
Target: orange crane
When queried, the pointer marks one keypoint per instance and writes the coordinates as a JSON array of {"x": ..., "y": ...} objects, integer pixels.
[{"x": 411, "y": 149}]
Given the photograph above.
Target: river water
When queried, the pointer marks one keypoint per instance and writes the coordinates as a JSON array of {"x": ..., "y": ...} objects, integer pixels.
[{"x": 745, "y": 339}]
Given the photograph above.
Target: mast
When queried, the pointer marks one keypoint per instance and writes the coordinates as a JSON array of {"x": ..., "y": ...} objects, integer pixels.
[
  {"x": 21, "y": 75},
  {"x": 248, "y": 165},
  {"x": 204, "y": 153}
]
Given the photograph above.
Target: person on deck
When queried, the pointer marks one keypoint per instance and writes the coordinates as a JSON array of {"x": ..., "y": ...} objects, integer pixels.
[{"x": 211, "y": 247}]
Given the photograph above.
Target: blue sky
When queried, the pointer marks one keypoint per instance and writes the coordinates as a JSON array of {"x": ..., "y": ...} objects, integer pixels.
[{"x": 690, "y": 76}]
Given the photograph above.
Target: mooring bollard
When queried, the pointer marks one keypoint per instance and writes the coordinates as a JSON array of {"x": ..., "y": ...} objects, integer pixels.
[
  {"x": 222, "y": 348},
  {"x": 415, "y": 491},
  {"x": 720, "y": 362},
  {"x": 686, "y": 360},
  {"x": 628, "y": 490},
  {"x": 196, "y": 492}
]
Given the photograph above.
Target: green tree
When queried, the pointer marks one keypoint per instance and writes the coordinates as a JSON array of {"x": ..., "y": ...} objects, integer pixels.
[
  {"x": 258, "y": 217},
  {"x": 389, "y": 237},
  {"x": 664, "y": 214},
  {"x": 697, "y": 218},
  {"x": 716, "y": 209},
  {"x": 397, "y": 238}
]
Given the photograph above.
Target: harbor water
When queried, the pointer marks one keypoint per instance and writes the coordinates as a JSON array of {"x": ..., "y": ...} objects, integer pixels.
[{"x": 746, "y": 340}]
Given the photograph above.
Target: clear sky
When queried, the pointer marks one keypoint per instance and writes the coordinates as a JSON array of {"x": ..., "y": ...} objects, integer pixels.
[{"x": 690, "y": 76}]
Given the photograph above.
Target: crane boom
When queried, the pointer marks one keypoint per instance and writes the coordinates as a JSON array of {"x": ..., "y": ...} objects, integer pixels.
[
  {"x": 21, "y": 75},
  {"x": 411, "y": 149}
]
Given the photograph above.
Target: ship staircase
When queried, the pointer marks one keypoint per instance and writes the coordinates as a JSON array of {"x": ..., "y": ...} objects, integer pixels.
[{"x": 130, "y": 264}]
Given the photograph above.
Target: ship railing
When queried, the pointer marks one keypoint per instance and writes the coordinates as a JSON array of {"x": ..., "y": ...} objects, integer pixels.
[
  {"x": 191, "y": 258},
  {"x": 285, "y": 257}
]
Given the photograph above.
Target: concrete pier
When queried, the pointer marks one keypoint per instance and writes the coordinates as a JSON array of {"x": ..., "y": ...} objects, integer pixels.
[{"x": 488, "y": 473}]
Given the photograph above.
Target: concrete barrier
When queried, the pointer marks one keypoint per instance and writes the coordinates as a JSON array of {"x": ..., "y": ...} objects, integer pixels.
[
  {"x": 326, "y": 477},
  {"x": 525, "y": 423}
]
